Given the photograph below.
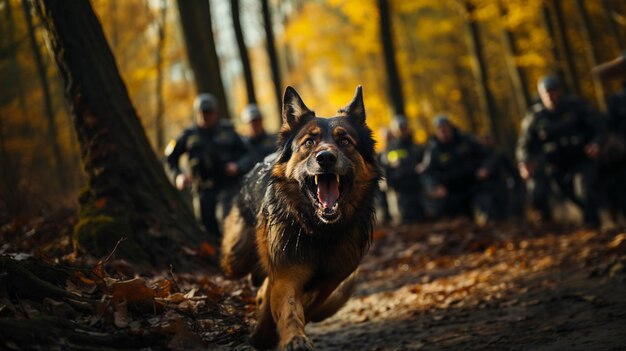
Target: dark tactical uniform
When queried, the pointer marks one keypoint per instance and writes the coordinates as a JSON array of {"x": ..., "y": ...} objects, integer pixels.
[
  {"x": 399, "y": 160},
  {"x": 554, "y": 141},
  {"x": 208, "y": 152},
  {"x": 613, "y": 157},
  {"x": 502, "y": 192},
  {"x": 453, "y": 166},
  {"x": 262, "y": 145},
  {"x": 617, "y": 112}
]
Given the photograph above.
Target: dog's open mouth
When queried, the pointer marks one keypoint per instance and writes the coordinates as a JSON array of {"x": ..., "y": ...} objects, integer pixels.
[{"x": 325, "y": 190}]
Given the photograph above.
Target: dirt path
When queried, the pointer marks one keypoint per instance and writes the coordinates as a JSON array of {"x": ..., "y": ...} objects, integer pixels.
[
  {"x": 441, "y": 286},
  {"x": 454, "y": 287}
]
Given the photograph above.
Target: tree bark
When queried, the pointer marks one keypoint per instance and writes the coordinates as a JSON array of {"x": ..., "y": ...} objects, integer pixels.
[
  {"x": 12, "y": 202},
  {"x": 591, "y": 52},
  {"x": 243, "y": 52},
  {"x": 386, "y": 36},
  {"x": 53, "y": 137},
  {"x": 128, "y": 193},
  {"x": 195, "y": 19},
  {"x": 486, "y": 100},
  {"x": 270, "y": 45},
  {"x": 13, "y": 46},
  {"x": 159, "y": 124}
]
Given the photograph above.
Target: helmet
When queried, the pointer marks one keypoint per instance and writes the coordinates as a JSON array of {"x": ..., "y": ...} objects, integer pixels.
[
  {"x": 549, "y": 82},
  {"x": 251, "y": 113},
  {"x": 205, "y": 102},
  {"x": 399, "y": 121},
  {"x": 441, "y": 120}
]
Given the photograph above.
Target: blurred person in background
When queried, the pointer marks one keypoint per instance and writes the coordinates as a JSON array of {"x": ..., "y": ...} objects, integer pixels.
[
  {"x": 454, "y": 166},
  {"x": 218, "y": 158},
  {"x": 399, "y": 160},
  {"x": 260, "y": 142},
  {"x": 557, "y": 150}
]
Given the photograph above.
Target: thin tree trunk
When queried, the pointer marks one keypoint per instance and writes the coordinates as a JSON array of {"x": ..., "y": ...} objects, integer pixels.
[
  {"x": 386, "y": 36},
  {"x": 161, "y": 29},
  {"x": 609, "y": 13},
  {"x": 128, "y": 194},
  {"x": 486, "y": 100},
  {"x": 195, "y": 20},
  {"x": 560, "y": 31},
  {"x": 518, "y": 80},
  {"x": 272, "y": 55},
  {"x": 565, "y": 77},
  {"x": 591, "y": 52},
  {"x": 53, "y": 136},
  {"x": 415, "y": 79},
  {"x": 243, "y": 52}
]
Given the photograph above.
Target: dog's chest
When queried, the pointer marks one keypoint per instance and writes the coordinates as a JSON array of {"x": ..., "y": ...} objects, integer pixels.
[{"x": 330, "y": 254}]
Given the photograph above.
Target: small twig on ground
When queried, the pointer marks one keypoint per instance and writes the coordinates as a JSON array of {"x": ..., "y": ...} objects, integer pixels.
[
  {"x": 101, "y": 262},
  {"x": 174, "y": 278}
]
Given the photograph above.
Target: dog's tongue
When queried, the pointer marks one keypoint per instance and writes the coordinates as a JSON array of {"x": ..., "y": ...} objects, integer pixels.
[{"x": 327, "y": 190}]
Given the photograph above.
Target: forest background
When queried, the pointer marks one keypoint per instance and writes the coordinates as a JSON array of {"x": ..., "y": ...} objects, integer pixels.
[{"x": 476, "y": 60}]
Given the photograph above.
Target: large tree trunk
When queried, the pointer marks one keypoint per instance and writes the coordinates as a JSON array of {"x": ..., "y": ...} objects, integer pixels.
[
  {"x": 591, "y": 52},
  {"x": 195, "y": 19},
  {"x": 12, "y": 202},
  {"x": 128, "y": 193},
  {"x": 53, "y": 137},
  {"x": 243, "y": 52},
  {"x": 270, "y": 45},
  {"x": 159, "y": 124},
  {"x": 386, "y": 36},
  {"x": 486, "y": 100},
  {"x": 12, "y": 46}
]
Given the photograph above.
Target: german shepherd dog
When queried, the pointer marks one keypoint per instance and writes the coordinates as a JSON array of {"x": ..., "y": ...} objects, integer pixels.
[{"x": 309, "y": 208}]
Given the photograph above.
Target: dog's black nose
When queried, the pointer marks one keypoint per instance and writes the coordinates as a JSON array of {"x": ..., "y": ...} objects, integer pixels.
[{"x": 326, "y": 158}]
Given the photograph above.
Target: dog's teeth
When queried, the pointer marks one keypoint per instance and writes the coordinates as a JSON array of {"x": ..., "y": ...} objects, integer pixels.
[
  {"x": 337, "y": 175},
  {"x": 316, "y": 180}
]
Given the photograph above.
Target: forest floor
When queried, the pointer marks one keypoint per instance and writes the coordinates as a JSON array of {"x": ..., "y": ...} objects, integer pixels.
[{"x": 435, "y": 286}]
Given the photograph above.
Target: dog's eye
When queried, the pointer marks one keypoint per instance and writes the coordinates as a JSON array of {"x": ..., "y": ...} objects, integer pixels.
[
  {"x": 344, "y": 142},
  {"x": 309, "y": 142}
]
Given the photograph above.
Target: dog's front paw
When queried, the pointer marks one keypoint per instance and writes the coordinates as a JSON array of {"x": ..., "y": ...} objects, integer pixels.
[{"x": 298, "y": 343}]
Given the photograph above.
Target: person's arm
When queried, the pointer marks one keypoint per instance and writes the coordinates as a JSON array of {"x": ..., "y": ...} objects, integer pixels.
[
  {"x": 595, "y": 125},
  {"x": 173, "y": 151},
  {"x": 523, "y": 151},
  {"x": 428, "y": 167}
]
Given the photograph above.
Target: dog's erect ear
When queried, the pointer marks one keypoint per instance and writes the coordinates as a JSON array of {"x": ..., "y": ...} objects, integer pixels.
[
  {"x": 294, "y": 110},
  {"x": 355, "y": 109}
]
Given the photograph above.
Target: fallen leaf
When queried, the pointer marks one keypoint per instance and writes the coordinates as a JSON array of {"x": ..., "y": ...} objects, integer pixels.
[{"x": 131, "y": 290}]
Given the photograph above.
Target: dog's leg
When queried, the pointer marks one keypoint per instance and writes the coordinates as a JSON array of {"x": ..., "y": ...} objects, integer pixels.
[
  {"x": 239, "y": 255},
  {"x": 264, "y": 335},
  {"x": 288, "y": 310},
  {"x": 336, "y": 300}
]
